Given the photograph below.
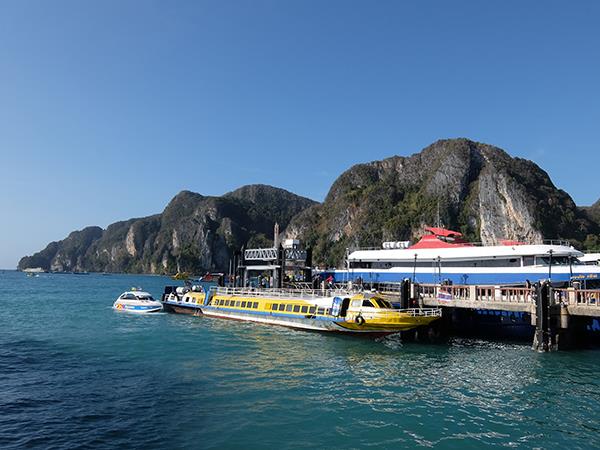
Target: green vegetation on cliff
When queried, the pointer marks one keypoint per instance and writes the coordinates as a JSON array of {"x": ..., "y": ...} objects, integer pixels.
[
  {"x": 472, "y": 187},
  {"x": 194, "y": 233}
]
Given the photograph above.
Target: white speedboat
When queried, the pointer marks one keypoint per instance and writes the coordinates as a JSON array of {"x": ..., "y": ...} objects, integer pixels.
[{"x": 137, "y": 301}]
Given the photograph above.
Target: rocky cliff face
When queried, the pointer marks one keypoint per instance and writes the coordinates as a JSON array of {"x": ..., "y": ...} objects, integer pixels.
[
  {"x": 472, "y": 187},
  {"x": 194, "y": 233},
  {"x": 66, "y": 255},
  {"x": 475, "y": 188},
  {"x": 594, "y": 211}
]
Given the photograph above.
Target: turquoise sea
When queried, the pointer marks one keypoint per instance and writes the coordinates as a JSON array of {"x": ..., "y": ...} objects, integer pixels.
[{"x": 76, "y": 374}]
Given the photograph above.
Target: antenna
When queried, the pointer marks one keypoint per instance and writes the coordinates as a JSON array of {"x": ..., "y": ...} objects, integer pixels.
[{"x": 439, "y": 222}]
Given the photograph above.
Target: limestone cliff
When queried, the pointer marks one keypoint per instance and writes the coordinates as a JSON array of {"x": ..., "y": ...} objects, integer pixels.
[
  {"x": 194, "y": 233},
  {"x": 472, "y": 187}
]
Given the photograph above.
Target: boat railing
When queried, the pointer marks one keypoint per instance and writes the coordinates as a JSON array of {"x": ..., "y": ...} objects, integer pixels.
[
  {"x": 422, "y": 312},
  {"x": 278, "y": 292},
  {"x": 557, "y": 242}
]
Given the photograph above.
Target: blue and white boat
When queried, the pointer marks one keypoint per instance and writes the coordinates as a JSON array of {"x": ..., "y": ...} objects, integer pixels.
[
  {"x": 443, "y": 255},
  {"x": 137, "y": 301}
]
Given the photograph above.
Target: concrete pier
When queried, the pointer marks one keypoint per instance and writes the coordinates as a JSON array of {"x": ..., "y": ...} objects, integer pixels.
[{"x": 559, "y": 316}]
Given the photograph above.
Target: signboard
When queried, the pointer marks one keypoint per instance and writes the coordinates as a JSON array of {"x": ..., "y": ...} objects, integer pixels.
[{"x": 444, "y": 296}]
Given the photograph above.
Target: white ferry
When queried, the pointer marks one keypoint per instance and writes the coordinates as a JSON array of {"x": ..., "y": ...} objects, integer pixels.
[
  {"x": 444, "y": 255},
  {"x": 335, "y": 311},
  {"x": 592, "y": 259},
  {"x": 137, "y": 301}
]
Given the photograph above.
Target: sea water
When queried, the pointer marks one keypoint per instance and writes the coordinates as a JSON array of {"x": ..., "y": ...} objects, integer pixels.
[{"x": 76, "y": 374}]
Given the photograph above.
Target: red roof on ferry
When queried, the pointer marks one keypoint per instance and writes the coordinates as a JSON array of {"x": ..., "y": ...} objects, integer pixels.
[
  {"x": 441, "y": 238},
  {"x": 508, "y": 242},
  {"x": 443, "y": 232}
]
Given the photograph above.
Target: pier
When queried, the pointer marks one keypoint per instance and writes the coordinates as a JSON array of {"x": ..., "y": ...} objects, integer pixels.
[
  {"x": 558, "y": 317},
  {"x": 555, "y": 311}
]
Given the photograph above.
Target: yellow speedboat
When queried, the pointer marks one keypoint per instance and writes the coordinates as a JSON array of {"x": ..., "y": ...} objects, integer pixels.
[{"x": 304, "y": 309}]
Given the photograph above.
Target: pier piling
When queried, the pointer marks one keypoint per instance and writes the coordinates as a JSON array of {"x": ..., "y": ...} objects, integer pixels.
[{"x": 544, "y": 339}]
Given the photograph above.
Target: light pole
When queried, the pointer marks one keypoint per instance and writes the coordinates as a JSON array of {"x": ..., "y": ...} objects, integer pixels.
[{"x": 415, "y": 268}]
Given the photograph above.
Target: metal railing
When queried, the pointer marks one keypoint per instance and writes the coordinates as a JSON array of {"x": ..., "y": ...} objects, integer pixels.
[
  {"x": 472, "y": 293},
  {"x": 422, "y": 312},
  {"x": 562, "y": 242},
  {"x": 278, "y": 293},
  {"x": 577, "y": 297}
]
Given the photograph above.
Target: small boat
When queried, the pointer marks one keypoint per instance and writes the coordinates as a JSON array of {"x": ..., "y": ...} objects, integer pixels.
[
  {"x": 308, "y": 310},
  {"x": 181, "y": 276},
  {"x": 137, "y": 301}
]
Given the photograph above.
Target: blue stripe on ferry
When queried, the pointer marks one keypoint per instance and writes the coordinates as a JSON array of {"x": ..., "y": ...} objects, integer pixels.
[
  {"x": 140, "y": 307},
  {"x": 466, "y": 278}
]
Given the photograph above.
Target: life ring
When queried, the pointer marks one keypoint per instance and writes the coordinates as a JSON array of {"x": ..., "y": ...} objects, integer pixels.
[{"x": 359, "y": 320}]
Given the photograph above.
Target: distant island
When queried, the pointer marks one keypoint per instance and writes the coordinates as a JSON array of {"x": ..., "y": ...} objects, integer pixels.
[{"x": 469, "y": 186}]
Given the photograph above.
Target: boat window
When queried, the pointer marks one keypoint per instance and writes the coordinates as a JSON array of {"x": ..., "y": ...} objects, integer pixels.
[
  {"x": 243, "y": 304},
  {"x": 312, "y": 309},
  {"x": 528, "y": 260},
  {"x": 304, "y": 309},
  {"x": 128, "y": 296},
  {"x": 255, "y": 305},
  {"x": 367, "y": 303},
  {"x": 296, "y": 308},
  {"x": 321, "y": 311},
  {"x": 288, "y": 308},
  {"x": 281, "y": 307},
  {"x": 226, "y": 302},
  {"x": 381, "y": 303},
  {"x": 556, "y": 260},
  {"x": 237, "y": 303},
  {"x": 274, "y": 306}
]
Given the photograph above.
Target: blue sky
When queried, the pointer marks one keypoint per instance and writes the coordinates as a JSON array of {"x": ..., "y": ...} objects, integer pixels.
[{"x": 109, "y": 108}]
